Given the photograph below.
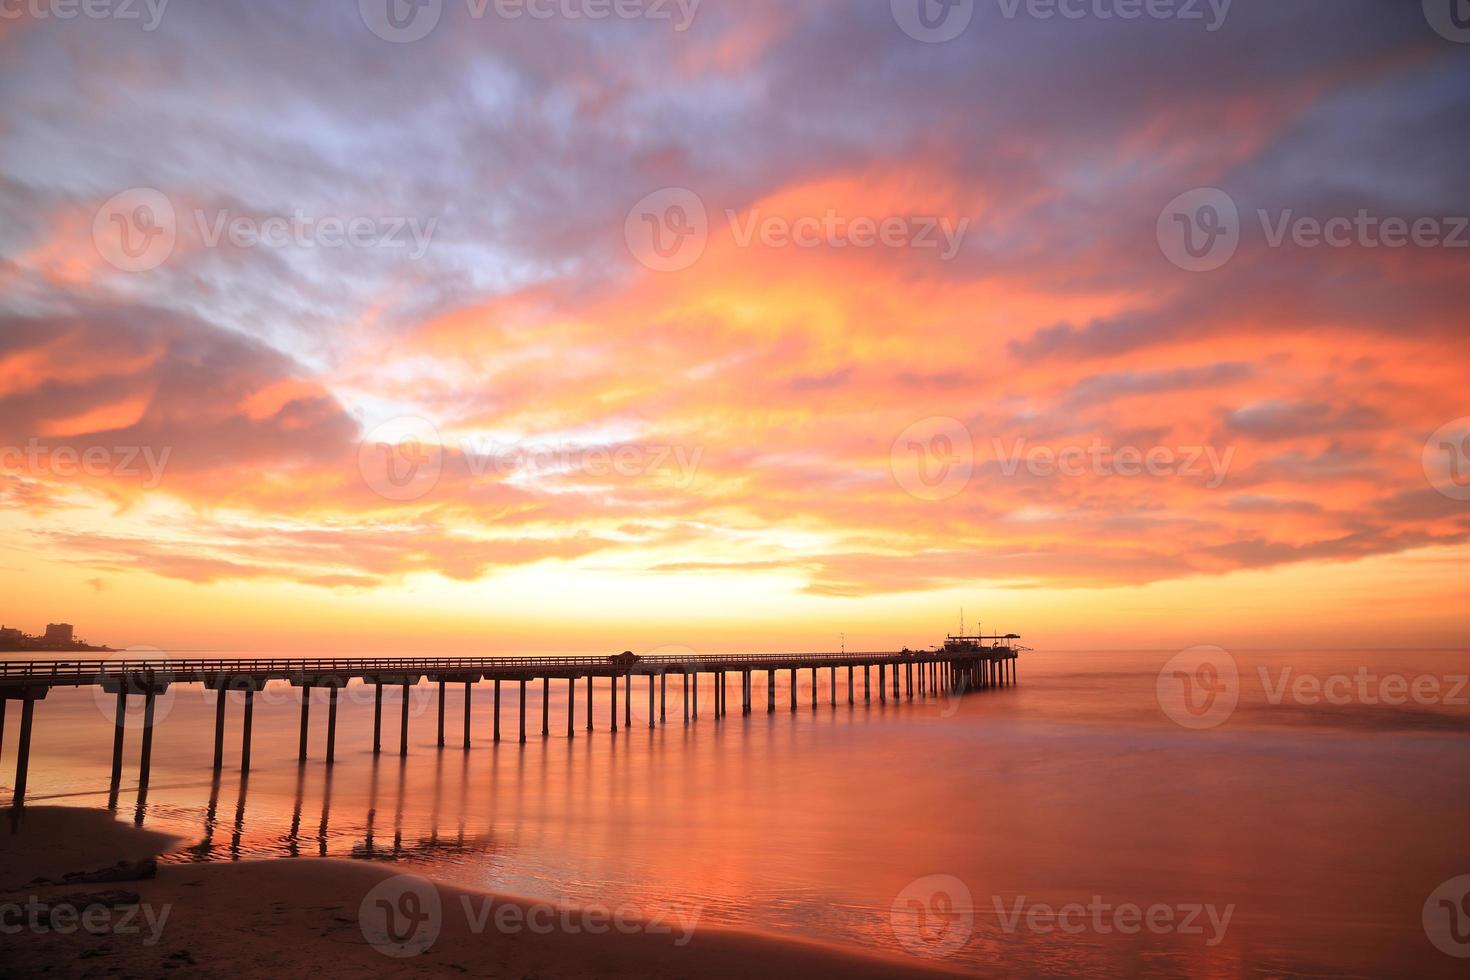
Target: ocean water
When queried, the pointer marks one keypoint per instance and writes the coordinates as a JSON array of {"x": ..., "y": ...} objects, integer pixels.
[{"x": 1312, "y": 829}]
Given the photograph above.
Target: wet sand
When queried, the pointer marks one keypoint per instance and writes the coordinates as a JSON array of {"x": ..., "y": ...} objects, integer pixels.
[{"x": 300, "y": 916}]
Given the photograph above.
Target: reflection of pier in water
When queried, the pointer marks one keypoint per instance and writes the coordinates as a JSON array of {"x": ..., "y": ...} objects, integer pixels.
[
  {"x": 309, "y": 832},
  {"x": 962, "y": 665}
]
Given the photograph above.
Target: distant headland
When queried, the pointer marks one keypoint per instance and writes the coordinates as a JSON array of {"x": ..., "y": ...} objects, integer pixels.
[{"x": 58, "y": 637}]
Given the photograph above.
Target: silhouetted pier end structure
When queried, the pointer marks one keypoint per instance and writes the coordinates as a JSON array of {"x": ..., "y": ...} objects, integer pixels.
[{"x": 964, "y": 664}]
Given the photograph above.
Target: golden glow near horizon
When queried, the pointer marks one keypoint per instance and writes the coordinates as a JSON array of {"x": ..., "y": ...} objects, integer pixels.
[{"x": 545, "y": 432}]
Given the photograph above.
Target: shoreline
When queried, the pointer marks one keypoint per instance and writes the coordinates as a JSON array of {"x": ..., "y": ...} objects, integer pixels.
[{"x": 336, "y": 917}]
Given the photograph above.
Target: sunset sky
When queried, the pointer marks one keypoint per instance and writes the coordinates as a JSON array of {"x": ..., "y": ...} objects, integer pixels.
[{"x": 745, "y": 441}]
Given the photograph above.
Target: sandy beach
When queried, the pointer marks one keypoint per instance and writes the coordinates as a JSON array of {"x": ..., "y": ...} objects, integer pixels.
[{"x": 326, "y": 918}]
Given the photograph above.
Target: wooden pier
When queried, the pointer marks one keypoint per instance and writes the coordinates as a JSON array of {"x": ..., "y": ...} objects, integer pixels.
[{"x": 965, "y": 664}]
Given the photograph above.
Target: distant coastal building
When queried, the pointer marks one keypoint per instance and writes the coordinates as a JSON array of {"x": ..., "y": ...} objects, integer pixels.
[
  {"x": 8, "y": 635},
  {"x": 59, "y": 634}
]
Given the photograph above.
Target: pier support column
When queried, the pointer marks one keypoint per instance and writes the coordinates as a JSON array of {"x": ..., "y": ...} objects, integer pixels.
[
  {"x": 377, "y": 717},
  {"x": 663, "y": 697},
  {"x": 867, "y": 684},
  {"x": 441, "y": 715},
  {"x": 220, "y": 697},
  {"x": 895, "y": 682},
  {"x": 247, "y": 729},
  {"x": 523, "y": 711},
  {"x": 546, "y": 707},
  {"x": 468, "y": 690},
  {"x": 589, "y": 702},
  {"x": 497, "y": 709},
  {"x": 571, "y": 707},
  {"x": 305, "y": 721},
  {"x": 694, "y": 696},
  {"x": 770, "y": 692},
  {"x": 686, "y": 697},
  {"x": 628, "y": 700},
  {"x": 814, "y": 689},
  {"x": 3, "y": 702},
  {"x": 745, "y": 692},
  {"x": 650, "y": 701},
  {"x": 613, "y": 713},
  {"x": 882, "y": 684},
  {"x": 850, "y": 698},
  {"x": 23, "y": 750},
  {"x": 145, "y": 764},
  {"x": 833, "y": 679},
  {"x": 120, "y": 721},
  {"x": 403, "y": 726},
  {"x": 332, "y": 724},
  {"x": 793, "y": 690}
]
